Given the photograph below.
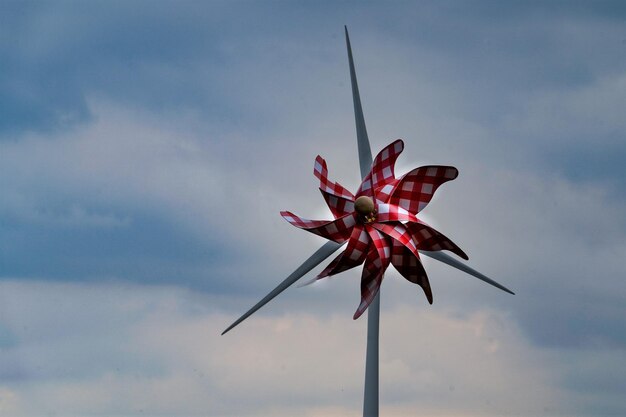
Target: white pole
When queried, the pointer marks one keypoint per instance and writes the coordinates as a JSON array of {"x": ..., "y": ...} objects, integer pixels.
[{"x": 370, "y": 398}]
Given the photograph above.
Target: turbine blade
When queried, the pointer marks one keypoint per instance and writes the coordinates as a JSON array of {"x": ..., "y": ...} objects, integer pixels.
[
  {"x": 447, "y": 259},
  {"x": 318, "y": 256},
  {"x": 365, "y": 153},
  {"x": 307, "y": 282}
]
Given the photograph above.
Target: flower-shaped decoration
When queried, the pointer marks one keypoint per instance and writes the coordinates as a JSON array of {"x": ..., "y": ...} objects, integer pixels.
[{"x": 380, "y": 222}]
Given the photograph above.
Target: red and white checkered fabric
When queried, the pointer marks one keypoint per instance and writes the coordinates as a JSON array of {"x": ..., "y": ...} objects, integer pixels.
[
  {"x": 394, "y": 236},
  {"x": 376, "y": 262},
  {"x": 321, "y": 172},
  {"x": 414, "y": 190},
  {"x": 339, "y": 206},
  {"x": 409, "y": 265},
  {"x": 427, "y": 238},
  {"x": 382, "y": 171},
  {"x": 352, "y": 256},
  {"x": 398, "y": 232},
  {"x": 392, "y": 213},
  {"x": 338, "y": 230}
]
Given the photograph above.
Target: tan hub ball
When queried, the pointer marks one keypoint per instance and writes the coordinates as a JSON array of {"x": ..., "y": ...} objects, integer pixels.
[{"x": 364, "y": 205}]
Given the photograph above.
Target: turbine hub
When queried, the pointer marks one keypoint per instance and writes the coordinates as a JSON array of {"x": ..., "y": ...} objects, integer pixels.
[{"x": 366, "y": 208}]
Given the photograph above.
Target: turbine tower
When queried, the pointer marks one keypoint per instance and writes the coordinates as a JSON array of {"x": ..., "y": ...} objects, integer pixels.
[{"x": 380, "y": 227}]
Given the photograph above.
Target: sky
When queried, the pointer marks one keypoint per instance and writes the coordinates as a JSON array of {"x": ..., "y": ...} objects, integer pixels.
[{"x": 146, "y": 149}]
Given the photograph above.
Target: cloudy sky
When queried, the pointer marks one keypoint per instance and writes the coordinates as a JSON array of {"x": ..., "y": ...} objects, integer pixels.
[{"x": 146, "y": 149}]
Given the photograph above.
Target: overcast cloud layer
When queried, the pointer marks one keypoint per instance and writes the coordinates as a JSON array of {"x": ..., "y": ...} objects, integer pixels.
[{"x": 147, "y": 148}]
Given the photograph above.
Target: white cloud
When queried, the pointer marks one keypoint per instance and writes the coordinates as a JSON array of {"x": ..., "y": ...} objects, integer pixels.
[
  {"x": 295, "y": 364},
  {"x": 128, "y": 350}
]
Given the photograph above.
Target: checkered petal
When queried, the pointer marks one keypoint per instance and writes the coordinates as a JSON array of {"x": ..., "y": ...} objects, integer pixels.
[
  {"x": 427, "y": 238},
  {"x": 321, "y": 172},
  {"x": 393, "y": 213},
  {"x": 398, "y": 232},
  {"x": 414, "y": 190},
  {"x": 339, "y": 206},
  {"x": 408, "y": 264},
  {"x": 338, "y": 230},
  {"x": 382, "y": 170},
  {"x": 353, "y": 255},
  {"x": 405, "y": 257},
  {"x": 376, "y": 262}
]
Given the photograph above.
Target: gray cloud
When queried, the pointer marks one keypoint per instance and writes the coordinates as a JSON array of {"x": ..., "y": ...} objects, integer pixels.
[
  {"x": 135, "y": 350},
  {"x": 156, "y": 146}
]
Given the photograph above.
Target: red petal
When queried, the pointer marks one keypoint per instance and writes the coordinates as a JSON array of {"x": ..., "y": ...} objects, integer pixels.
[
  {"x": 338, "y": 230},
  {"x": 415, "y": 189},
  {"x": 382, "y": 171},
  {"x": 354, "y": 254},
  {"x": 398, "y": 232},
  {"x": 376, "y": 263},
  {"x": 393, "y": 213},
  {"x": 321, "y": 171},
  {"x": 339, "y": 206},
  {"x": 410, "y": 267},
  {"x": 427, "y": 238}
]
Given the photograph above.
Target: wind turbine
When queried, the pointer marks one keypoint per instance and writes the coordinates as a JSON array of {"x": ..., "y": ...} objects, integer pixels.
[{"x": 380, "y": 227}]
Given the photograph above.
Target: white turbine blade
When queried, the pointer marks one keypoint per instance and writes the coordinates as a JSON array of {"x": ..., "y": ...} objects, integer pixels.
[
  {"x": 322, "y": 253},
  {"x": 447, "y": 259},
  {"x": 365, "y": 153},
  {"x": 307, "y": 282}
]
